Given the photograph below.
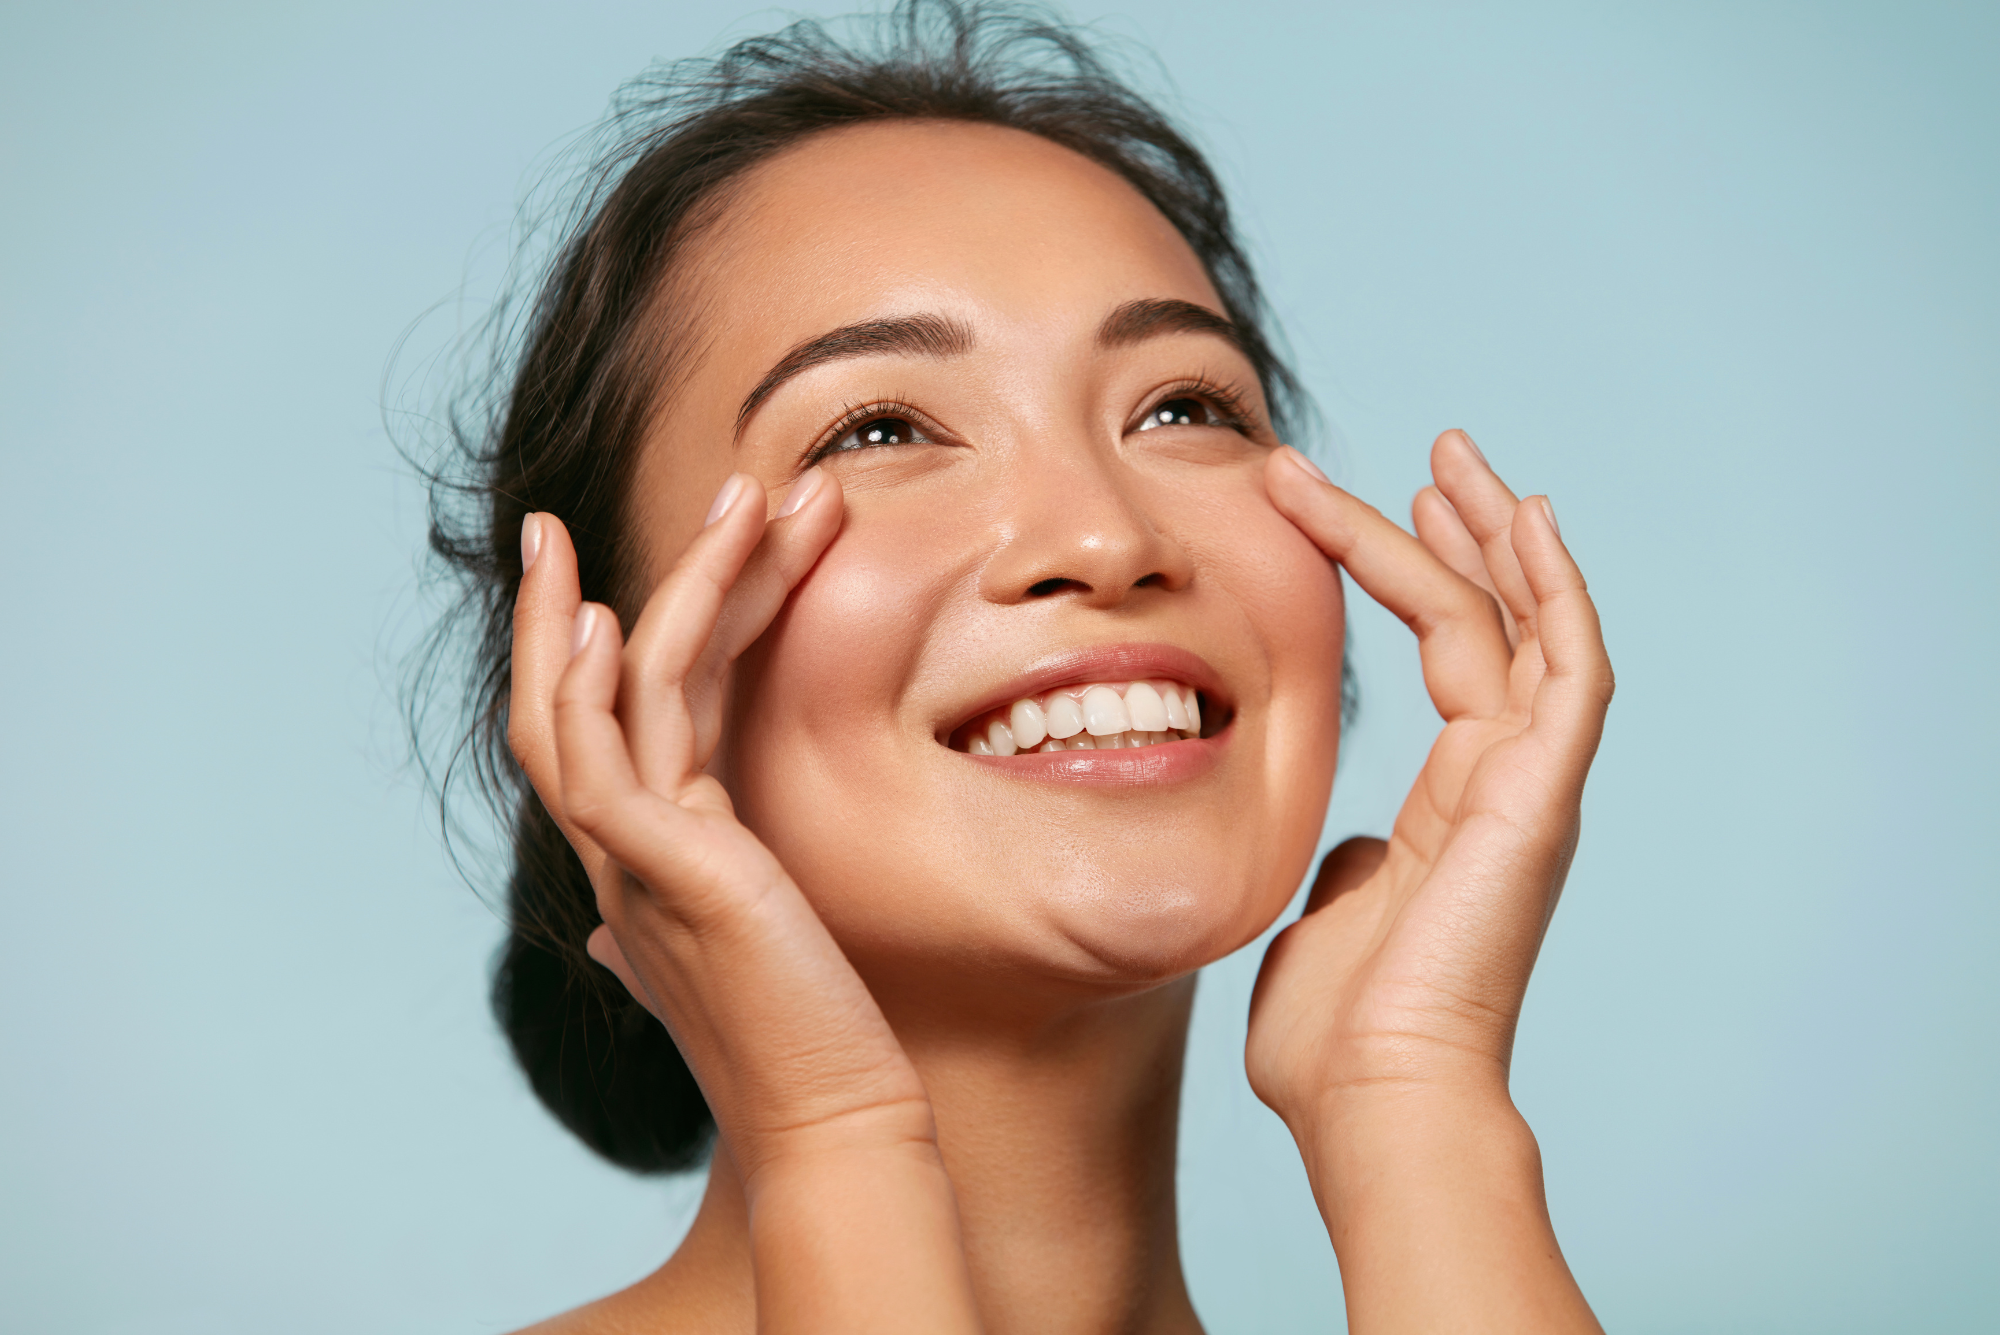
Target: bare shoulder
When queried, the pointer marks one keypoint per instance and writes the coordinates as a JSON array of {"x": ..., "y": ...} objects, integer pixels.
[
  {"x": 635, "y": 1311},
  {"x": 697, "y": 1292},
  {"x": 617, "y": 1314}
]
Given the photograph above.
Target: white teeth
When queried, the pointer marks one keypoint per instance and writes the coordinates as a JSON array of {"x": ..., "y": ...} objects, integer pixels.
[
  {"x": 1030, "y": 725},
  {"x": 1090, "y": 718},
  {"x": 1148, "y": 712},
  {"x": 1104, "y": 713},
  {"x": 1065, "y": 719}
]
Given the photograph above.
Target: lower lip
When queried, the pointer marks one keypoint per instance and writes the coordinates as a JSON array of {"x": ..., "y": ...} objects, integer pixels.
[{"x": 1144, "y": 766}]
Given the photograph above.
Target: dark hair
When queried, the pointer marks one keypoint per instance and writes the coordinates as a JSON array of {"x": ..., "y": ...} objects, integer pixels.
[{"x": 553, "y": 423}]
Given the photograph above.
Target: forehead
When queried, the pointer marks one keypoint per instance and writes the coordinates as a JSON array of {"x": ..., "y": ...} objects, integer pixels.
[{"x": 1011, "y": 233}]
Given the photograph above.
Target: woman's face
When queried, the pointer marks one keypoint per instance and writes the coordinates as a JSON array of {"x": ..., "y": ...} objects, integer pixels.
[{"x": 1052, "y": 457}]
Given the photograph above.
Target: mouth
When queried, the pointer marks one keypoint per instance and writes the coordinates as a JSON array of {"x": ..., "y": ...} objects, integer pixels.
[
  {"x": 1086, "y": 716},
  {"x": 1118, "y": 698}
]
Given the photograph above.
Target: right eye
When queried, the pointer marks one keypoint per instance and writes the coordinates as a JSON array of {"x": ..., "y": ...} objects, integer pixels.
[{"x": 883, "y": 430}]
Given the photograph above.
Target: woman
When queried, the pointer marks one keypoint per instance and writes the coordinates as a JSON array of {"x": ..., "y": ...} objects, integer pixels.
[{"x": 925, "y": 655}]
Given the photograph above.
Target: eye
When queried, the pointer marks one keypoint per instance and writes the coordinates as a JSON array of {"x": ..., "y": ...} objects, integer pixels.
[
  {"x": 883, "y": 430},
  {"x": 1179, "y": 412}
]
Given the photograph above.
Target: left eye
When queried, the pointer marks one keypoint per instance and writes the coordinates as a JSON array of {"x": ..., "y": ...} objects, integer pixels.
[
  {"x": 878, "y": 431},
  {"x": 1176, "y": 412}
]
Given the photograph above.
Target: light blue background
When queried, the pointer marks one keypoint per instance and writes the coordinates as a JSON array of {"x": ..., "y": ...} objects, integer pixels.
[{"x": 1721, "y": 278}]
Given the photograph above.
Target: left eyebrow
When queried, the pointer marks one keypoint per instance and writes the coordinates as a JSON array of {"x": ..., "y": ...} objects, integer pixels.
[{"x": 1151, "y": 317}]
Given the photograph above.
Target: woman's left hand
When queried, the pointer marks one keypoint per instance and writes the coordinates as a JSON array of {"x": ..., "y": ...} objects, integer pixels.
[{"x": 1383, "y": 1020}]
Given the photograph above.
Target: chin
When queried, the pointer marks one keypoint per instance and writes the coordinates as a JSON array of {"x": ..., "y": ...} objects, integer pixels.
[
  {"x": 1156, "y": 934},
  {"x": 1126, "y": 928}
]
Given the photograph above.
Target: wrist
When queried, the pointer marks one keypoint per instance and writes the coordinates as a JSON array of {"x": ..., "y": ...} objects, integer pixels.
[
  {"x": 1432, "y": 1195},
  {"x": 854, "y": 1226},
  {"x": 893, "y": 1136},
  {"x": 1389, "y": 1146}
]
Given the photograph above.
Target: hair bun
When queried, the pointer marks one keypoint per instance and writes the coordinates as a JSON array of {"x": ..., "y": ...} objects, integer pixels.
[{"x": 595, "y": 1057}]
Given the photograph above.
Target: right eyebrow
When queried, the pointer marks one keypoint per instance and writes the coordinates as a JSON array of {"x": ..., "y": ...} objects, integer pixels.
[{"x": 906, "y": 335}]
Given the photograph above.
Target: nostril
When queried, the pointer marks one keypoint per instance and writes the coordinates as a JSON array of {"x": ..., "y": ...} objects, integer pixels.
[
  {"x": 1044, "y": 587},
  {"x": 1152, "y": 581}
]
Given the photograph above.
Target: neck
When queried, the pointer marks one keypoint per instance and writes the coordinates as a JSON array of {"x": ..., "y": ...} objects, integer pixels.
[{"x": 1060, "y": 1140}]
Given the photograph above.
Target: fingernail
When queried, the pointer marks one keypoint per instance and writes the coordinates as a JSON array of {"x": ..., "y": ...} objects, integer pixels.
[
  {"x": 801, "y": 492},
  {"x": 1473, "y": 445},
  {"x": 1550, "y": 511},
  {"x": 531, "y": 542},
  {"x": 1311, "y": 469},
  {"x": 579, "y": 634},
  {"x": 724, "y": 499}
]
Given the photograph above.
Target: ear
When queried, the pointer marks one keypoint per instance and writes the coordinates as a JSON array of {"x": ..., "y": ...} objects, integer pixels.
[{"x": 603, "y": 948}]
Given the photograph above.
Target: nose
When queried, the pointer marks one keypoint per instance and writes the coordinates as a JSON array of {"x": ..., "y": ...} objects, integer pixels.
[{"x": 1077, "y": 525}]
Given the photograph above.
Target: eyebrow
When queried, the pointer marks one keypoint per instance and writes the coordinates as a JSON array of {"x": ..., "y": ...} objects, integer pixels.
[
  {"x": 936, "y": 336},
  {"x": 1151, "y": 317},
  {"x": 908, "y": 335}
]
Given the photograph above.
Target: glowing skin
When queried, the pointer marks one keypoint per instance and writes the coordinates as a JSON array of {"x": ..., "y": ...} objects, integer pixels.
[
  {"x": 927, "y": 600},
  {"x": 936, "y": 993}
]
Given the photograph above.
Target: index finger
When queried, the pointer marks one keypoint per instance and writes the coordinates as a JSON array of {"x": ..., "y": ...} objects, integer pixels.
[{"x": 1460, "y": 636}]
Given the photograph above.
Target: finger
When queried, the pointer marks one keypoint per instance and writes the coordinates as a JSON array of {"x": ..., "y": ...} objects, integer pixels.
[
  {"x": 675, "y": 626},
  {"x": 1577, "y": 683},
  {"x": 1460, "y": 636},
  {"x": 600, "y": 786},
  {"x": 805, "y": 522},
  {"x": 1346, "y": 867},
  {"x": 1440, "y": 529},
  {"x": 657, "y": 839},
  {"x": 677, "y": 663},
  {"x": 544, "y": 612},
  {"x": 1486, "y": 506}
]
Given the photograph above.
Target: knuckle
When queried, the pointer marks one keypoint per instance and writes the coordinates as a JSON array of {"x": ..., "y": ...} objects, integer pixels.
[
  {"x": 520, "y": 739},
  {"x": 589, "y": 807},
  {"x": 1472, "y": 603},
  {"x": 566, "y": 711}
]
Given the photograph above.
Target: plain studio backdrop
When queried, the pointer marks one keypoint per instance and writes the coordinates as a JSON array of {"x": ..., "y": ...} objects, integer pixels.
[{"x": 1721, "y": 279}]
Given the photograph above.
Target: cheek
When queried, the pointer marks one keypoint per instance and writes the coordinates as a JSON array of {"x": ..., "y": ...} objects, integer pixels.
[
  {"x": 903, "y": 854},
  {"x": 1288, "y": 592},
  {"x": 1290, "y": 598},
  {"x": 815, "y": 750},
  {"x": 826, "y": 676}
]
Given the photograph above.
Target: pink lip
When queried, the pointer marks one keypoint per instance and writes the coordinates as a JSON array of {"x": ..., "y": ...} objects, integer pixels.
[
  {"x": 1107, "y": 662},
  {"x": 1169, "y": 762}
]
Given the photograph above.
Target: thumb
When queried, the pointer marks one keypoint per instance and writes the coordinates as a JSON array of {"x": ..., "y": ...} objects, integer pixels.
[{"x": 1346, "y": 867}]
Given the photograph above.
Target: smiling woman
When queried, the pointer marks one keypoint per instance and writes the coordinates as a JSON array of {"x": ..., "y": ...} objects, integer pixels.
[{"x": 921, "y": 655}]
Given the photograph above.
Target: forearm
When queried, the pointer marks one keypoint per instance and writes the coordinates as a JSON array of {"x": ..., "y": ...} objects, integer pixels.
[
  {"x": 858, "y": 1233},
  {"x": 1436, "y": 1209}
]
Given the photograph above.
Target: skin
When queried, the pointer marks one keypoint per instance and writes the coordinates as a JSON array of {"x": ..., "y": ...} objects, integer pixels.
[{"x": 937, "y": 1003}]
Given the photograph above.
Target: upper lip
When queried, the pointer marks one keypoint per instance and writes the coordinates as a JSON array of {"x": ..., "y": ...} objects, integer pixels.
[{"x": 1104, "y": 662}]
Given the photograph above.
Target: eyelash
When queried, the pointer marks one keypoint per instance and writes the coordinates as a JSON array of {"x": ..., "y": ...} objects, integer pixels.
[
  {"x": 858, "y": 416},
  {"x": 1230, "y": 408}
]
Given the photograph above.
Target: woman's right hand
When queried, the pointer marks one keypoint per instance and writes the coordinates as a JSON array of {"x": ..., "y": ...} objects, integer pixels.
[{"x": 824, "y": 1116}]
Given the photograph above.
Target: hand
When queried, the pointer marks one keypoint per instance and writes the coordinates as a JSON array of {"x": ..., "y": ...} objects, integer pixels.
[
  {"x": 1412, "y": 956},
  {"x": 1383, "y": 1020},
  {"x": 809, "y": 1087}
]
